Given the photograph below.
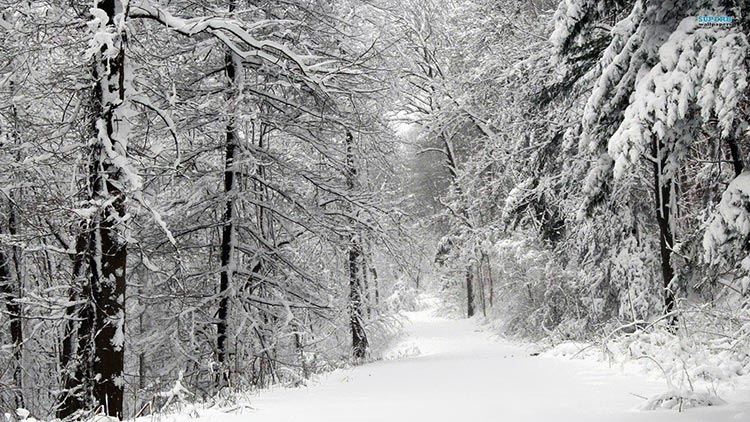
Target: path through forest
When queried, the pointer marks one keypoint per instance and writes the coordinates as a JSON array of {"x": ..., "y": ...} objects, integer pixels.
[{"x": 461, "y": 373}]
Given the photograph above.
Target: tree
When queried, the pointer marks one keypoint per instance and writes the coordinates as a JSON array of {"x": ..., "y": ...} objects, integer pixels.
[
  {"x": 111, "y": 179},
  {"x": 685, "y": 79},
  {"x": 197, "y": 160},
  {"x": 10, "y": 258},
  {"x": 356, "y": 266},
  {"x": 231, "y": 157}
]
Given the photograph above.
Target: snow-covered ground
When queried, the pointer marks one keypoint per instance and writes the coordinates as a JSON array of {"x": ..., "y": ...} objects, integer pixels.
[{"x": 450, "y": 370}]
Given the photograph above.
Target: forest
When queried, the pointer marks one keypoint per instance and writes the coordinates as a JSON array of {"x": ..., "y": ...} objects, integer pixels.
[{"x": 205, "y": 198}]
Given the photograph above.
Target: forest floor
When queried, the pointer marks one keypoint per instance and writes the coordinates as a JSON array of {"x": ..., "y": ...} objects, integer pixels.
[{"x": 452, "y": 370}]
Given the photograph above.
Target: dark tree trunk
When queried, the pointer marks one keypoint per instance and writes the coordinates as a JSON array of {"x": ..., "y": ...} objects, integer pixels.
[
  {"x": 356, "y": 314},
  {"x": 104, "y": 320},
  {"x": 359, "y": 336},
  {"x": 228, "y": 230},
  {"x": 369, "y": 277},
  {"x": 663, "y": 199},
  {"x": 376, "y": 283},
  {"x": 734, "y": 150},
  {"x": 9, "y": 295},
  {"x": 489, "y": 278},
  {"x": 482, "y": 293},
  {"x": 226, "y": 257},
  {"x": 10, "y": 269},
  {"x": 469, "y": 292},
  {"x": 108, "y": 291},
  {"x": 74, "y": 366}
]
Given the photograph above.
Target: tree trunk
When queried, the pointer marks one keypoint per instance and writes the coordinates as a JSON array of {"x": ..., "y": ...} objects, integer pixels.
[
  {"x": 663, "y": 199},
  {"x": 359, "y": 336},
  {"x": 482, "y": 292},
  {"x": 10, "y": 274},
  {"x": 734, "y": 150},
  {"x": 452, "y": 163},
  {"x": 469, "y": 292},
  {"x": 489, "y": 278},
  {"x": 9, "y": 295},
  {"x": 366, "y": 279},
  {"x": 108, "y": 290},
  {"x": 74, "y": 367},
  {"x": 226, "y": 260},
  {"x": 108, "y": 176},
  {"x": 228, "y": 230},
  {"x": 370, "y": 277},
  {"x": 376, "y": 283},
  {"x": 300, "y": 345}
]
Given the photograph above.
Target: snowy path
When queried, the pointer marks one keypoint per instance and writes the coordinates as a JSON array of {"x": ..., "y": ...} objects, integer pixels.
[{"x": 463, "y": 374}]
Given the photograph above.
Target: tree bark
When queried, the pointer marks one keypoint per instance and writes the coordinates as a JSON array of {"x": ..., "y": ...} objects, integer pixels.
[
  {"x": 108, "y": 242},
  {"x": 108, "y": 290},
  {"x": 228, "y": 230},
  {"x": 489, "y": 278},
  {"x": 75, "y": 368},
  {"x": 663, "y": 199},
  {"x": 376, "y": 283},
  {"x": 482, "y": 292},
  {"x": 452, "y": 165},
  {"x": 469, "y": 292},
  {"x": 300, "y": 345},
  {"x": 9, "y": 295},
  {"x": 359, "y": 336},
  {"x": 10, "y": 275},
  {"x": 734, "y": 150}
]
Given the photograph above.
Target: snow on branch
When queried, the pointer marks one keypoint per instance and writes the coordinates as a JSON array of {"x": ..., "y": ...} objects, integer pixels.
[
  {"x": 729, "y": 228},
  {"x": 178, "y": 392},
  {"x": 222, "y": 28},
  {"x": 698, "y": 71}
]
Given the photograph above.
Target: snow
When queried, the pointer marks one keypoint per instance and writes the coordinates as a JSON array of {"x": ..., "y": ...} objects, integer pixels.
[
  {"x": 680, "y": 400},
  {"x": 730, "y": 225},
  {"x": 102, "y": 34},
  {"x": 270, "y": 51},
  {"x": 163, "y": 225},
  {"x": 118, "y": 340},
  {"x": 451, "y": 370},
  {"x": 177, "y": 392},
  {"x": 567, "y": 15},
  {"x": 673, "y": 73}
]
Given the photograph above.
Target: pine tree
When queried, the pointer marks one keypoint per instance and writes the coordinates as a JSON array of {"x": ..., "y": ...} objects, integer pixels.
[{"x": 663, "y": 80}]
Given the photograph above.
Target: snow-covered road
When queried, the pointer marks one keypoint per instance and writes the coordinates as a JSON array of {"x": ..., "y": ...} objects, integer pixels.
[{"x": 463, "y": 374}]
